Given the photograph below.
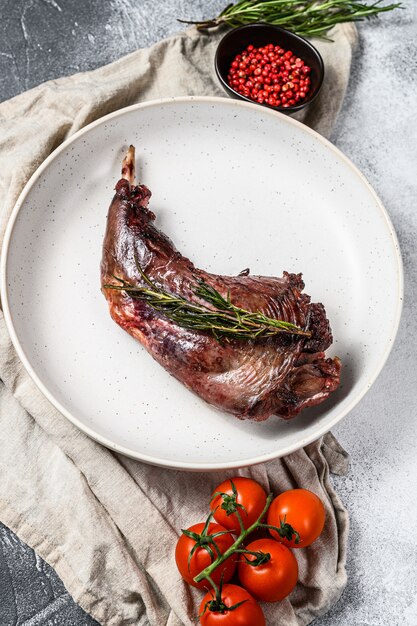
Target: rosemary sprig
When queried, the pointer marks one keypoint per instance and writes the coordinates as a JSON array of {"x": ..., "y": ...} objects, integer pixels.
[
  {"x": 309, "y": 18},
  {"x": 224, "y": 320}
]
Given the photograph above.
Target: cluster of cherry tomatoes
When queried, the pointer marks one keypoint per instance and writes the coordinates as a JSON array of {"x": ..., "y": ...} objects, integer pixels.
[{"x": 211, "y": 553}]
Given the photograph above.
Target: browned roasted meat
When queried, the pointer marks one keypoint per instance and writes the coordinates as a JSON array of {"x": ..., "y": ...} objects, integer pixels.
[{"x": 250, "y": 378}]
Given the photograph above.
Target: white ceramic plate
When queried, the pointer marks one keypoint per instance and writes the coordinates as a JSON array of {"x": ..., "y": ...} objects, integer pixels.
[{"x": 234, "y": 185}]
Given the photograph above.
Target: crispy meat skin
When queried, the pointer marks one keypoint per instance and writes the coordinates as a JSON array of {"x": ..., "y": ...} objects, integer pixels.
[{"x": 250, "y": 379}]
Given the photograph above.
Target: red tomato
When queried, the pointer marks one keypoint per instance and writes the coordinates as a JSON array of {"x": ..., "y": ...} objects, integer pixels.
[
  {"x": 249, "y": 613},
  {"x": 297, "y": 510},
  {"x": 272, "y": 580},
  {"x": 238, "y": 494},
  {"x": 201, "y": 558}
]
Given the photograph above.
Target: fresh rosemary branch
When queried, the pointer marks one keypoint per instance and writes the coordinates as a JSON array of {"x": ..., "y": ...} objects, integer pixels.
[
  {"x": 309, "y": 18},
  {"x": 224, "y": 320}
]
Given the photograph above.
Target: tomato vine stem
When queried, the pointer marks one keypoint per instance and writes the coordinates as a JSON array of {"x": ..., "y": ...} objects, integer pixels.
[{"x": 206, "y": 573}]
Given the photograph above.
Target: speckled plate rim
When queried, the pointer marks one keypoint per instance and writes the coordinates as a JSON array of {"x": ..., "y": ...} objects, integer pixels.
[{"x": 321, "y": 430}]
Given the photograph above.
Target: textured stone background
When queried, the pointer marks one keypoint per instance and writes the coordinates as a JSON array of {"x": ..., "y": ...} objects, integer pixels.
[{"x": 43, "y": 39}]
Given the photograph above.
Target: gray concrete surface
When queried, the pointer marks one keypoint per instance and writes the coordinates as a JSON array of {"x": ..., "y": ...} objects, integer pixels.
[{"x": 377, "y": 129}]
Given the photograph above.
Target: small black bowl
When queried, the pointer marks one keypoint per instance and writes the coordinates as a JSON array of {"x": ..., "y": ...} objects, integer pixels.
[{"x": 236, "y": 40}]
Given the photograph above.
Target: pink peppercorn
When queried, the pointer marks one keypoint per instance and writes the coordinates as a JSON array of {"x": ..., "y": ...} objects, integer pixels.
[{"x": 263, "y": 74}]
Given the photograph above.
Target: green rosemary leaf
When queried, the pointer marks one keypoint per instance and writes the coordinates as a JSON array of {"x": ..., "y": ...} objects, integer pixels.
[
  {"x": 309, "y": 18},
  {"x": 223, "y": 321}
]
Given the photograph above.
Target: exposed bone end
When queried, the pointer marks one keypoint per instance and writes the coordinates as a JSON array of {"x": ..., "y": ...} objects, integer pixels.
[{"x": 128, "y": 165}]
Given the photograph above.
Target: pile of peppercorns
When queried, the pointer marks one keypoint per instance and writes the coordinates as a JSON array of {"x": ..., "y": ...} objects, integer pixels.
[{"x": 270, "y": 75}]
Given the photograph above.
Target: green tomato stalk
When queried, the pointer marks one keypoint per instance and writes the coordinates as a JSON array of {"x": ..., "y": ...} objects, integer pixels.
[{"x": 206, "y": 573}]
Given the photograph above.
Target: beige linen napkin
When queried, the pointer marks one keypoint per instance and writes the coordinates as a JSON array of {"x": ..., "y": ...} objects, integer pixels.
[{"x": 106, "y": 523}]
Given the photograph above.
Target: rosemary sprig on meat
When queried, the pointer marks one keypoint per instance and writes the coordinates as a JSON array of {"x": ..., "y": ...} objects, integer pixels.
[
  {"x": 309, "y": 18},
  {"x": 224, "y": 320}
]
